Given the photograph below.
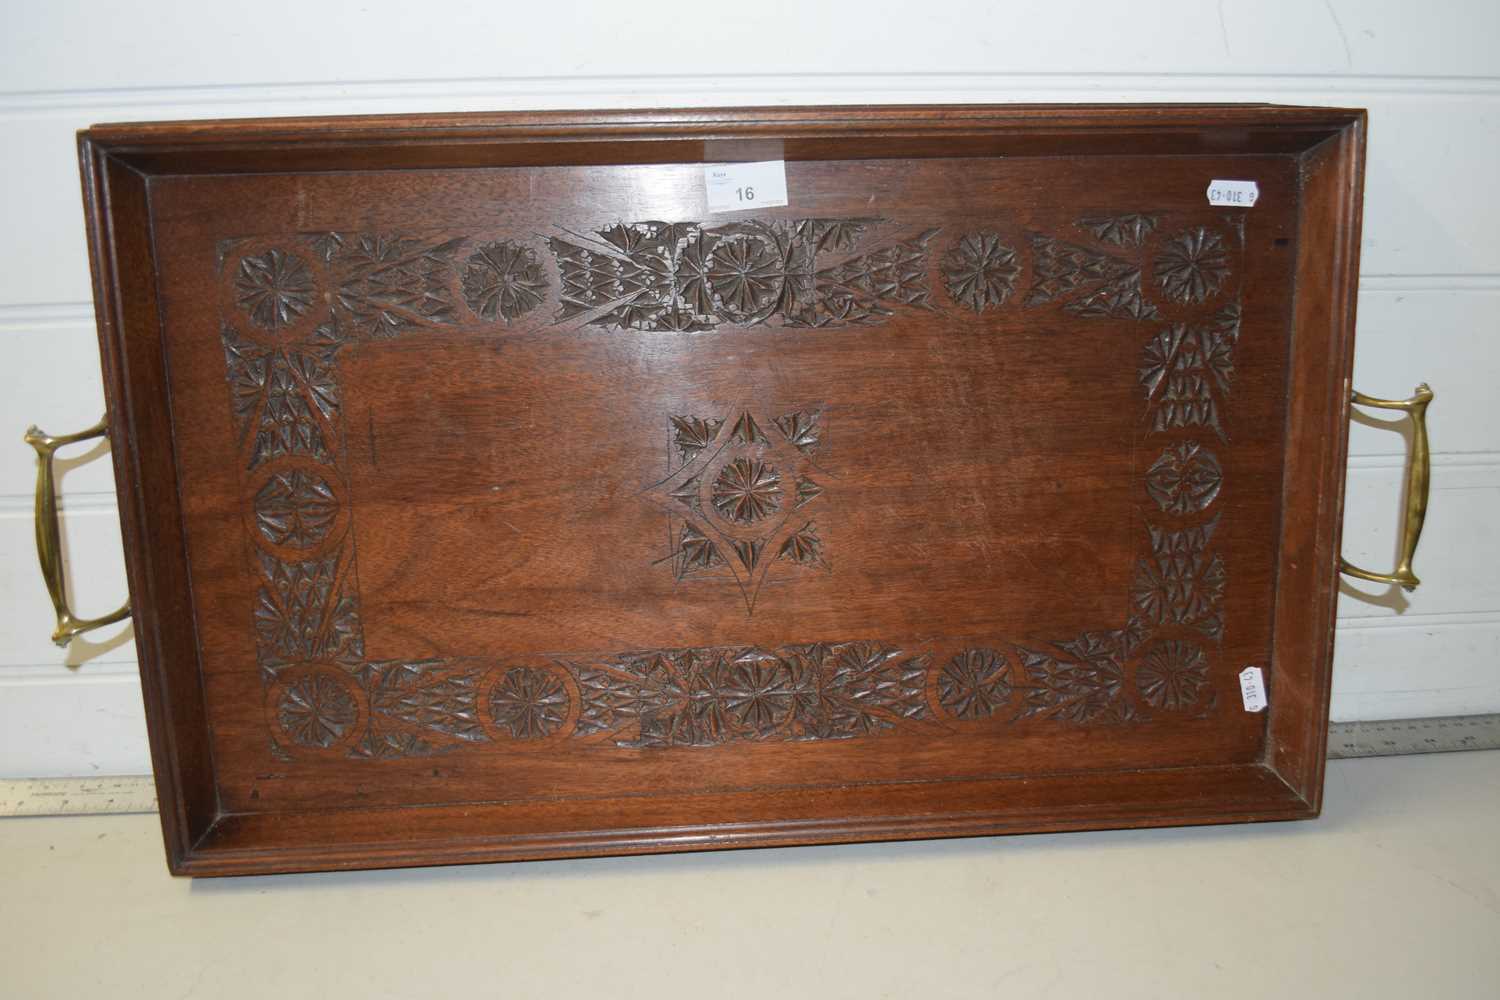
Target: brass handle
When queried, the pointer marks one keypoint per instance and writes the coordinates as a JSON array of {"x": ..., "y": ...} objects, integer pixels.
[
  {"x": 49, "y": 533},
  {"x": 1418, "y": 476}
]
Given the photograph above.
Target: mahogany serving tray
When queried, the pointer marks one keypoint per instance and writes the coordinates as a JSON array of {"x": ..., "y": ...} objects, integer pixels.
[{"x": 485, "y": 497}]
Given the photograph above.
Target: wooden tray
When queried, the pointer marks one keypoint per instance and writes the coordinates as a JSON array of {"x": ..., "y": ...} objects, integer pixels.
[{"x": 485, "y": 497}]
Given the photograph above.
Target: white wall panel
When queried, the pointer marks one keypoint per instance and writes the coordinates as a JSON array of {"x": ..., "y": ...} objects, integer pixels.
[
  {"x": 1446, "y": 333},
  {"x": 193, "y": 43},
  {"x": 1429, "y": 73},
  {"x": 83, "y": 723},
  {"x": 1428, "y": 665},
  {"x": 52, "y": 380}
]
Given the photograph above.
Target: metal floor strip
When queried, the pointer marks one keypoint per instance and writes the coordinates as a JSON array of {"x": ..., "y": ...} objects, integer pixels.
[
  {"x": 1394, "y": 737},
  {"x": 77, "y": 796}
]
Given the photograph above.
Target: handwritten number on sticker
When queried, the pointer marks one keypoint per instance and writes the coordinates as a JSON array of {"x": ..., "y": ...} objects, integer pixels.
[
  {"x": 1253, "y": 689},
  {"x": 1233, "y": 194}
]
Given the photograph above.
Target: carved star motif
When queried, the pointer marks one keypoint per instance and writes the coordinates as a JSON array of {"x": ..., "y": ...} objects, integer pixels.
[
  {"x": 1192, "y": 267},
  {"x": 747, "y": 491},
  {"x": 736, "y": 493}
]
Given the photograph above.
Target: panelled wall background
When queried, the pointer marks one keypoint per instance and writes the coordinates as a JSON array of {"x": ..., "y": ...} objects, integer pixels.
[{"x": 1429, "y": 296}]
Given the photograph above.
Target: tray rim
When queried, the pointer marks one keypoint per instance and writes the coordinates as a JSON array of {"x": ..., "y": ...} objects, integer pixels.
[{"x": 117, "y": 163}]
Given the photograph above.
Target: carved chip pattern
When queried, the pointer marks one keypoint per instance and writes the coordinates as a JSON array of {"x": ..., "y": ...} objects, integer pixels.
[
  {"x": 695, "y": 277},
  {"x": 1187, "y": 371},
  {"x": 703, "y": 697},
  {"x": 1079, "y": 691},
  {"x": 693, "y": 434},
  {"x": 1086, "y": 281},
  {"x": 285, "y": 403},
  {"x": 1182, "y": 581},
  {"x": 295, "y": 508},
  {"x": 1185, "y": 479},
  {"x": 425, "y": 696},
  {"x": 710, "y": 696},
  {"x": 385, "y": 284},
  {"x": 1129, "y": 230},
  {"x": 695, "y": 551},
  {"x": 285, "y": 400},
  {"x": 307, "y": 610},
  {"x": 1084, "y": 682},
  {"x": 686, "y": 277},
  {"x": 803, "y": 546},
  {"x": 750, "y": 521}
]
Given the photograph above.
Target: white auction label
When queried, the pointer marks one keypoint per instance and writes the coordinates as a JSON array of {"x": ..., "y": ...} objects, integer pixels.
[
  {"x": 736, "y": 187},
  {"x": 1235, "y": 194},
  {"x": 1253, "y": 689}
]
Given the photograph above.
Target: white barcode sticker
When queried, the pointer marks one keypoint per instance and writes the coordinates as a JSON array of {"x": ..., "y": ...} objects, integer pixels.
[
  {"x": 737, "y": 187},
  {"x": 1253, "y": 689},
  {"x": 1234, "y": 194}
]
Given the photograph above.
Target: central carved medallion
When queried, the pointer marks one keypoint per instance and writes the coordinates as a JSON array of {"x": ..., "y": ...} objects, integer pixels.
[{"x": 740, "y": 495}]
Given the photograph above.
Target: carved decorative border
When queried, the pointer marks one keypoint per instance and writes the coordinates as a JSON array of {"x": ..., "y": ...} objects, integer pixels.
[{"x": 324, "y": 695}]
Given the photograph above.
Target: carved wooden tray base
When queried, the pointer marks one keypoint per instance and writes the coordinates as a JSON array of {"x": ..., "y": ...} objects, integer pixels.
[{"x": 486, "y": 497}]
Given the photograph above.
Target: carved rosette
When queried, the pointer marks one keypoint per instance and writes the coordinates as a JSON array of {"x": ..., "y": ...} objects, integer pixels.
[
  {"x": 976, "y": 684},
  {"x": 313, "y": 709},
  {"x": 317, "y": 711},
  {"x": 529, "y": 703},
  {"x": 747, "y": 491},
  {"x": 980, "y": 272},
  {"x": 1193, "y": 266},
  {"x": 746, "y": 276},
  {"x": 273, "y": 288},
  {"x": 503, "y": 280},
  {"x": 1173, "y": 675}
]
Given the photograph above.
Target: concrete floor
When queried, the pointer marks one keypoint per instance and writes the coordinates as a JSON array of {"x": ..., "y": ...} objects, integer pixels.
[{"x": 1395, "y": 892}]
